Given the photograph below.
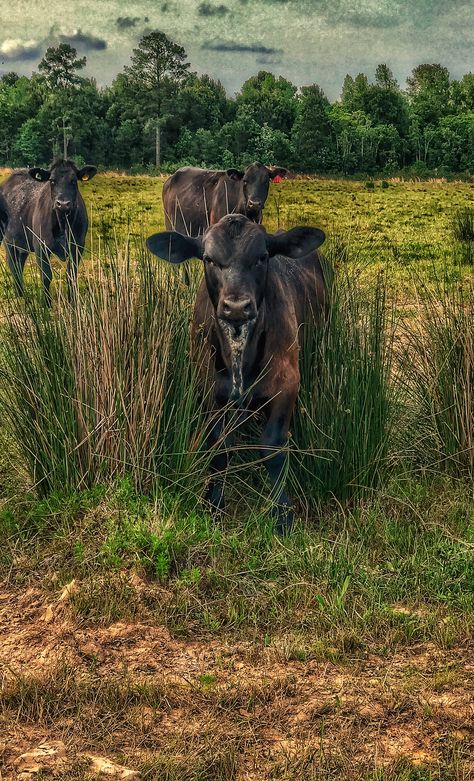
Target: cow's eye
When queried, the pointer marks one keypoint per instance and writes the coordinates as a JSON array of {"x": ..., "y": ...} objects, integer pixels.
[
  {"x": 262, "y": 259},
  {"x": 211, "y": 262}
]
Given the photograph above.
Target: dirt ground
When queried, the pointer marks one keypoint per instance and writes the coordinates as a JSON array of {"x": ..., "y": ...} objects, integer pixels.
[{"x": 131, "y": 691}]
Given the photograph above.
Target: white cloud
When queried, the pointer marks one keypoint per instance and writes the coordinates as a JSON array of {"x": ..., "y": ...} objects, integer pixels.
[
  {"x": 14, "y": 48},
  {"x": 321, "y": 40}
]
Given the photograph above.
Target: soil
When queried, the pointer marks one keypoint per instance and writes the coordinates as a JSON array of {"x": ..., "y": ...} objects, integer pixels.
[{"x": 370, "y": 712}]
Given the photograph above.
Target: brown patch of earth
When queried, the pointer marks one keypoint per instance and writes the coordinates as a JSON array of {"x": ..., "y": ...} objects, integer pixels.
[{"x": 131, "y": 692}]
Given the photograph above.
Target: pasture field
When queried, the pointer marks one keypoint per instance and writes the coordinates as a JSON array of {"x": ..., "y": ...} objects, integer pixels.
[{"x": 135, "y": 627}]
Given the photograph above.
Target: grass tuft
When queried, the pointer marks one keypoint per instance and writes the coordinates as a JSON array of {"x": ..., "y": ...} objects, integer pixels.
[{"x": 462, "y": 230}]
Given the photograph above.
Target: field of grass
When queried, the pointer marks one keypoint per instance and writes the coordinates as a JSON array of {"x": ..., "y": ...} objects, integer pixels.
[
  {"x": 403, "y": 224},
  {"x": 133, "y": 625}
]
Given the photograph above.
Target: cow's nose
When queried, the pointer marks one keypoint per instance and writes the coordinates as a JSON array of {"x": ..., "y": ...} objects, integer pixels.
[
  {"x": 63, "y": 205},
  {"x": 239, "y": 310},
  {"x": 255, "y": 204}
]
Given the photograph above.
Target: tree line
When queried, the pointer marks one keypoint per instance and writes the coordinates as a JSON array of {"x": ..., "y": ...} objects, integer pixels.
[{"x": 158, "y": 115}]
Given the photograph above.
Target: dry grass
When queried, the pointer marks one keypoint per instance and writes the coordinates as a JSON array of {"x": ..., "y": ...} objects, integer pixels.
[{"x": 214, "y": 710}]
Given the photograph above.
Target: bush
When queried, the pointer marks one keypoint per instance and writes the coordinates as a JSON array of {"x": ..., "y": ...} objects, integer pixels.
[
  {"x": 462, "y": 230},
  {"x": 343, "y": 421},
  {"x": 438, "y": 361},
  {"x": 106, "y": 389}
]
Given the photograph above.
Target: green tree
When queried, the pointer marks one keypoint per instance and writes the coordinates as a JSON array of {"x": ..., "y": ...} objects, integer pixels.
[
  {"x": 202, "y": 103},
  {"x": 462, "y": 94},
  {"x": 312, "y": 131},
  {"x": 429, "y": 93},
  {"x": 385, "y": 79},
  {"x": 273, "y": 147},
  {"x": 59, "y": 84},
  {"x": 18, "y": 103},
  {"x": 158, "y": 68},
  {"x": 354, "y": 92},
  {"x": 30, "y": 145},
  {"x": 270, "y": 100},
  {"x": 60, "y": 67}
]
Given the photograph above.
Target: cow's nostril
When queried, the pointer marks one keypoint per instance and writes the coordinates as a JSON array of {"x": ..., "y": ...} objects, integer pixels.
[{"x": 237, "y": 310}]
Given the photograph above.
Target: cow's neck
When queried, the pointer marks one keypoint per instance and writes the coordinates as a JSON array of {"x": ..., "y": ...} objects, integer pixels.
[
  {"x": 241, "y": 355},
  {"x": 241, "y": 207},
  {"x": 62, "y": 224},
  {"x": 255, "y": 216}
]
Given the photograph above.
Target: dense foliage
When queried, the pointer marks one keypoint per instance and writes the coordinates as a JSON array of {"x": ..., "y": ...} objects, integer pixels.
[{"x": 158, "y": 113}]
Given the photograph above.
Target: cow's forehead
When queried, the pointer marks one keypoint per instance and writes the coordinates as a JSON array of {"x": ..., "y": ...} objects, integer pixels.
[
  {"x": 235, "y": 236},
  {"x": 256, "y": 169},
  {"x": 63, "y": 167}
]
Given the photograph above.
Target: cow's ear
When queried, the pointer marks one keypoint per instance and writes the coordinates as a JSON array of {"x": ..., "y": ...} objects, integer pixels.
[
  {"x": 174, "y": 247},
  {"x": 276, "y": 170},
  {"x": 86, "y": 173},
  {"x": 234, "y": 174},
  {"x": 40, "y": 174},
  {"x": 296, "y": 242}
]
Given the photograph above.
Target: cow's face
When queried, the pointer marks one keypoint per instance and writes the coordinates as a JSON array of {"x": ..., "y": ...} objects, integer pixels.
[
  {"x": 63, "y": 178},
  {"x": 255, "y": 183},
  {"x": 236, "y": 254}
]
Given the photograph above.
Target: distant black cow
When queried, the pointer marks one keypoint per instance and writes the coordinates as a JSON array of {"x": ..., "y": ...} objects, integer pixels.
[
  {"x": 258, "y": 291},
  {"x": 47, "y": 215},
  {"x": 195, "y": 198},
  {"x": 3, "y": 216}
]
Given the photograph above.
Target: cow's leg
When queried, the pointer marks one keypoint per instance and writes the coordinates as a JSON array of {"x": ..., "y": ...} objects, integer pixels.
[
  {"x": 42, "y": 258},
  {"x": 74, "y": 258},
  {"x": 222, "y": 442},
  {"x": 214, "y": 494},
  {"x": 16, "y": 259},
  {"x": 273, "y": 443}
]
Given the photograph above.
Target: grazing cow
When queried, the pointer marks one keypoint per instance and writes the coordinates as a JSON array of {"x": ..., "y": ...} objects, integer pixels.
[
  {"x": 258, "y": 290},
  {"x": 47, "y": 215},
  {"x": 3, "y": 217},
  {"x": 194, "y": 198}
]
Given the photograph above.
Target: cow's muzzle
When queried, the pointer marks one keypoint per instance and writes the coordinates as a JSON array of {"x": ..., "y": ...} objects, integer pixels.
[
  {"x": 236, "y": 312},
  {"x": 63, "y": 207}
]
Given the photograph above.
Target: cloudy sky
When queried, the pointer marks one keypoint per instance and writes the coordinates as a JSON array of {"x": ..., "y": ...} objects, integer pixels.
[{"x": 305, "y": 40}]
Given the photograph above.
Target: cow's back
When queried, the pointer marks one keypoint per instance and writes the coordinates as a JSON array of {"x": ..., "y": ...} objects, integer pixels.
[
  {"x": 191, "y": 197},
  {"x": 21, "y": 193}
]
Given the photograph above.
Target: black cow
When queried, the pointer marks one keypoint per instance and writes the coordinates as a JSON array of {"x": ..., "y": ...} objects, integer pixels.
[
  {"x": 47, "y": 215},
  {"x": 3, "y": 217},
  {"x": 258, "y": 291},
  {"x": 195, "y": 198}
]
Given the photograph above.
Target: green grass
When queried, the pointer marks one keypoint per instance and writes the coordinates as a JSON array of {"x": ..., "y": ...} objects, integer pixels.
[
  {"x": 336, "y": 585},
  {"x": 403, "y": 226},
  {"x": 102, "y": 469},
  {"x": 343, "y": 423},
  {"x": 106, "y": 388}
]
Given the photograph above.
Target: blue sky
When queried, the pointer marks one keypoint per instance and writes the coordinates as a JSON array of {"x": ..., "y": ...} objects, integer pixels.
[{"x": 305, "y": 40}]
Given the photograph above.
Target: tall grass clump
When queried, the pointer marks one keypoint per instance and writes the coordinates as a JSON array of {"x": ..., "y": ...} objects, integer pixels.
[
  {"x": 105, "y": 388},
  {"x": 462, "y": 230},
  {"x": 438, "y": 363},
  {"x": 343, "y": 422}
]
